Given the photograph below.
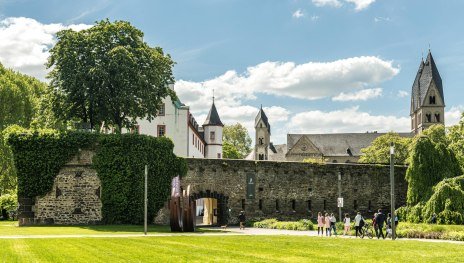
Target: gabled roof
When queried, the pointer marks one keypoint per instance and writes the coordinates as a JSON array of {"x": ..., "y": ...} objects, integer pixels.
[
  {"x": 337, "y": 144},
  {"x": 213, "y": 117},
  {"x": 262, "y": 116},
  {"x": 427, "y": 73}
]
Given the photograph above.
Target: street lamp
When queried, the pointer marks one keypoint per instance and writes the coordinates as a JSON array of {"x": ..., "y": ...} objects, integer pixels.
[{"x": 392, "y": 185}]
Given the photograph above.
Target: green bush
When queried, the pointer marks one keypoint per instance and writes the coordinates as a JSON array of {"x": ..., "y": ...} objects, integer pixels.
[
  {"x": 119, "y": 161},
  {"x": 301, "y": 225},
  {"x": 9, "y": 202}
]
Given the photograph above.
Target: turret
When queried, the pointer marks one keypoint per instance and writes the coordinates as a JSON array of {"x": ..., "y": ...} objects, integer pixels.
[{"x": 213, "y": 134}]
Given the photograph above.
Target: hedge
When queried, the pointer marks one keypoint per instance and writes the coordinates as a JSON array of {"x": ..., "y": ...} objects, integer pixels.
[{"x": 119, "y": 160}]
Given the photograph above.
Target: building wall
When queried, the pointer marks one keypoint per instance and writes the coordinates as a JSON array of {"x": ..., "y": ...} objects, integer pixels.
[
  {"x": 75, "y": 197},
  {"x": 364, "y": 187},
  {"x": 196, "y": 147}
]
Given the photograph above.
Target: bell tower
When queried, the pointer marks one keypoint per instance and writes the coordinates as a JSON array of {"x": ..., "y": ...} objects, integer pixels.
[
  {"x": 262, "y": 135},
  {"x": 427, "y": 98}
]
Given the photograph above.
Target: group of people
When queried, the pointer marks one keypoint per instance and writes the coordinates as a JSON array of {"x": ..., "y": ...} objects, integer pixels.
[{"x": 379, "y": 221}]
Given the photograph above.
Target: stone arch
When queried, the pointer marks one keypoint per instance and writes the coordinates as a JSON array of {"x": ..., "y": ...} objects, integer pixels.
[{"x": 222, "y": 204}]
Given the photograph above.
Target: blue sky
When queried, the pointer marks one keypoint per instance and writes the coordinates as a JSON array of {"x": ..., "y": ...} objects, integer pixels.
[{"x": 316, "y": 66}]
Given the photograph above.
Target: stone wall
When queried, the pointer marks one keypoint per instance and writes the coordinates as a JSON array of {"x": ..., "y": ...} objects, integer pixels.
[
  {"x": 284, "y": 190},
  {"x": 291, "y": 190}
]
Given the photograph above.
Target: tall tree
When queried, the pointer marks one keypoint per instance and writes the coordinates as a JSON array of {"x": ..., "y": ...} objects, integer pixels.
[
  {"x": 456, "y": 140},
  {"x": 431, "y": 161},
  {"x": 108, "y": 74},
  {"x": 379, "y": 150},
  {"x": 237, "y": 141}
]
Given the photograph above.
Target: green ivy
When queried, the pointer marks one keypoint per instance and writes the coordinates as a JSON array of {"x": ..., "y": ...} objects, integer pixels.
[{"x": 119, "y": 161}]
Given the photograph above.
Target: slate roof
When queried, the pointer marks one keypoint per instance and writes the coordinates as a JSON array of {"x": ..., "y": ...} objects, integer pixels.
[
  {"x": 213, "y": 117},
  {"x": 427, "y": 73},
  {"x": 262, "y": 116},
  {"x": 337, "y": 144}
]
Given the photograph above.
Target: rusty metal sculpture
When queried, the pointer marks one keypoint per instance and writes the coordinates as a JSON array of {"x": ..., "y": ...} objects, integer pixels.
[{"x": 182, "y": 208}]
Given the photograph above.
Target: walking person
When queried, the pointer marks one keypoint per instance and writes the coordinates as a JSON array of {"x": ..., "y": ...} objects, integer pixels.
[
  {"x": 327, "y": 224},
  {"x": 347, "y": 224},
  {"x": 357, "y": 224},
  {"x": 333, "y": 221},
  {"x": 380, "y": 220},
  {"x": 320, "y": 224},
  {"x": 389, "y": 225},
  {"x": 242, "y": 219},
  {"x": 376, "y": 227}
]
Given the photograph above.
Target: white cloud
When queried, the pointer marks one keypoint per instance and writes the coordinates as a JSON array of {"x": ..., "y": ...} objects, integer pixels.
[
  {"x": 345, "y": 120},
  {"x": 402, "y": 93},
  {"x": 298, "y": 14},
  {"x": 25, "y": 43},
  {"x": 453, "y": 115},
  {"x": 364, "y": 95},
  {"x": 381, "y": 19},
  {"x": 333, "y": 3},
  {"x": 314, "y": 18},
  {"x": 360, "y": 4}
]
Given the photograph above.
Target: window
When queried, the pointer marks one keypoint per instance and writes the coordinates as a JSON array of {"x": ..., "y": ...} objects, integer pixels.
[
  {"x": 212, "y": 136},
  {"x": 260, "y": 189},
  {"x": 355, "y": 204},
  {"x": 261, "y": 141},
  {"x": 219, "y": 155},
  {"x": 437, "y": 117},
  {"x": 277, "y": 205},
  {"x": 428, "y": 116},
  {"x": 369, "y": 206},
  {"x": 432, "y": 100},
  {"x": 334, "y": 161},
  {"x": 260, "y": 156},
  {"x": 161, "y": 110},
  {"x": 325, "y": 205},
  {"x": 161, "y": 130},
  {"x": 193, "y": 139},
  {"x": 309, "y": 205},
  {"x": 243, "y": 204},
  {"x": 260, "y": 204},
  {"x": 135, "y": 129},
  {"x": 293, "y": 205}
]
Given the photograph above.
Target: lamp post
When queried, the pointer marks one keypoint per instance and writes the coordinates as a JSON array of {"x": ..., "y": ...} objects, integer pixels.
[
  {"x": 145, "y": 201},
  {"x": 392, "y": 186},
  {"x": 340, "y": 195}
]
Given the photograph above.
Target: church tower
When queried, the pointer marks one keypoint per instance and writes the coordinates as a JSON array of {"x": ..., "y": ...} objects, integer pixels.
[
  {"x": 213, "y": 134},
  {"x": 427, "y": 100},
  {"x": 262, "y": 136}
]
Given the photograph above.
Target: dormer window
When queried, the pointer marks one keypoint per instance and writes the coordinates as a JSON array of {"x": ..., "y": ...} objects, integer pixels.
[{"x": 432, "y": 100}]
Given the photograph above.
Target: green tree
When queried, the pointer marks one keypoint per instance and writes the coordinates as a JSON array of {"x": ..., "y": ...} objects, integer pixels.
[
  {"x": 456, "y": 140},
  {"x": 108, "y": 74},
  {"x": 429, "y": 164},
  {"x": 237, "y": 141},
  {"x": 379, "y": 150}
]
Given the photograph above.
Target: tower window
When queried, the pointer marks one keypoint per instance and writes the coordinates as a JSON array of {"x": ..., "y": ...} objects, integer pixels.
[
  {"x": 260, "y": 156},
  {"x": 212, "y": 136},
  {"x": 260, "y": 141},
  {"x": 437, "y": 117},
  {"x": 428, "y": 116},
  {"x": 432, "y": 100}
]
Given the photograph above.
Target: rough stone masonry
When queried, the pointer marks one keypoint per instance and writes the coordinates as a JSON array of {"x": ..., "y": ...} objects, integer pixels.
[{"x": 264, "y": 189}]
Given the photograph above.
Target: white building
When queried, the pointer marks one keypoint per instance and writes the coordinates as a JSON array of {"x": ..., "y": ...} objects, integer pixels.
[{"x": 175, "y": 121}]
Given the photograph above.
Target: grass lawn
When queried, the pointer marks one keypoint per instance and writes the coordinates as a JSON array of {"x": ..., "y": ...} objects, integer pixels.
[{"x": 226, "y": 249}]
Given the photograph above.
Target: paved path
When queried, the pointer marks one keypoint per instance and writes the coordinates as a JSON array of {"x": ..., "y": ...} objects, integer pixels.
[{"x": 232, "y": 231}]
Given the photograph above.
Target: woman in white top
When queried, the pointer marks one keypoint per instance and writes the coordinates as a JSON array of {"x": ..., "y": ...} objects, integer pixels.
[{"x": 347, "y": 223}]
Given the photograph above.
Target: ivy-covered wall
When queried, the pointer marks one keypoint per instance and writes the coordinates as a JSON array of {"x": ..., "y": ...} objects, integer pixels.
[{"x": 119, "y": 161}]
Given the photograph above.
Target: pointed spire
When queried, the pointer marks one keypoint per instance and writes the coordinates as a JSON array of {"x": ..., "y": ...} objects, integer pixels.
[
  {"x": 262, "y": 116},
  {"x": 213, "y": 117}
]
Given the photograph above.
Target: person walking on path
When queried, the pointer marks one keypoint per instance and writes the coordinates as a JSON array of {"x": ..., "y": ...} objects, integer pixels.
[
  {"x": 376, "y": 227},
  {"x": 333, "y": 221},
  {"x": 389, "y": 225},
  {"x": 357, "y": 224},
  {"x": 242, "y": 219},
  {"x": 327, "y": 224},
  {"x": 379, "y": 221},
  {"x": 320, "y": 224},
  {"x": 347, "y": 224}
]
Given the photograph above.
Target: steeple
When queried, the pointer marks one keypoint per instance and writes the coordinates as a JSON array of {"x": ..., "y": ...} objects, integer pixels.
[
  {"x": 213, "y": 117},
  {"x": 262, "y": 116},
  {"x": 262, "y": 135},
  {"x": 427, "y": 97}
]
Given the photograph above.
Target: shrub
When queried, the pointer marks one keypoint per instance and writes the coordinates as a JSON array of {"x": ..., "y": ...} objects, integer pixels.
[{"x": 273, "y": 223}]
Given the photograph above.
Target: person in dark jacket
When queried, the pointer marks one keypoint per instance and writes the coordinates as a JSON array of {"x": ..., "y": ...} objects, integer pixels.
[
  {"x": 241, "y": 219},
  {"x": 379, "y": 221}
]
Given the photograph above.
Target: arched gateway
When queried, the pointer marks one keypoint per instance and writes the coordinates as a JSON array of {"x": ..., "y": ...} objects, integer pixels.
[{"x": 211, "y": 208}]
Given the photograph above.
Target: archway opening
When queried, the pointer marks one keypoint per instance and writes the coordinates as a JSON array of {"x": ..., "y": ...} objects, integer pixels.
[{"x": 206, "y": 213}]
